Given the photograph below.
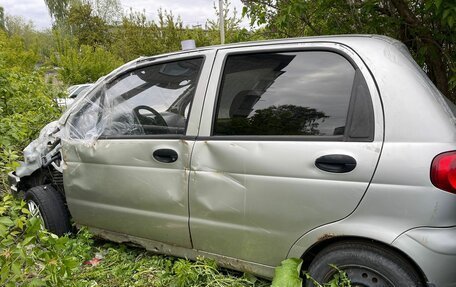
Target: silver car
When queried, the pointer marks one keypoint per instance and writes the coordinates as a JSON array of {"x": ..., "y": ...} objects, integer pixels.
[{"x": 337, "y": 150}]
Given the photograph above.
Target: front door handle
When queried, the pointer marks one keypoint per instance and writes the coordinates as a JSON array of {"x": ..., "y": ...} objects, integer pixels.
[
  {"x": 165, "y": 155},
  {"x": 337, "y": 163}
]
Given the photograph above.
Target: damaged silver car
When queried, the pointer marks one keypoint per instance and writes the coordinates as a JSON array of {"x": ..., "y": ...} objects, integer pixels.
[{"x": 337, "y": 150}]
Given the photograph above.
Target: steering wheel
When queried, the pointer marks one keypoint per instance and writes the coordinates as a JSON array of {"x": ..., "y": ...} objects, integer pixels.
[{"x": 157, "y": 120}]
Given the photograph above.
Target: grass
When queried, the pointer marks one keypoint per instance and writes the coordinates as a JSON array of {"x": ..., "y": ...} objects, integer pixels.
[
  {"x": 30, "y": 256},
  {"x": 121, "y": 265}
]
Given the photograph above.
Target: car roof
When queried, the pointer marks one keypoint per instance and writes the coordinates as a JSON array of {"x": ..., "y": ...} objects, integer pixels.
[{"x": 330, "y": 38}]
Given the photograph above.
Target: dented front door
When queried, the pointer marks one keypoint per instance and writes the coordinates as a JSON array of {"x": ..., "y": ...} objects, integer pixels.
[
  {"x": 127, "y": 151},
  {"x": 117, "y": 185}
]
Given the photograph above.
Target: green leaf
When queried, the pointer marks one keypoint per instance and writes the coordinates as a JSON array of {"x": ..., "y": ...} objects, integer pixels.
[
  {"x": 6, "y": 221},
  {"x": 27, "y": 240},
  {"x": 4, "y": 273},
  {"x": 244, "y": 11},
  {"x": 438, "y": 3},
  {"x": 3, "y": 230},
  {"x": 37, "y": 283},
  {"x": 287, "y": 274},
  {"x": 70, "y": 263},
  {"x": 16, "y": 268},
  {"x": 20, "y": 223}
]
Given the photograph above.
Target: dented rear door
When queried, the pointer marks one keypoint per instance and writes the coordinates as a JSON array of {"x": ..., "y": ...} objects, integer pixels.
[
  {"x": 289, "y": 140},
  {"x": 127, "y": 149}
]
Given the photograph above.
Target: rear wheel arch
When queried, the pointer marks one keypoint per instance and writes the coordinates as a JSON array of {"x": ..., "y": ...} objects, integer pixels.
[{"x": 319, "y": 246}]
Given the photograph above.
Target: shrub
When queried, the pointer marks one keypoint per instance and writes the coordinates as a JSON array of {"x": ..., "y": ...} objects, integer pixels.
[
  {"x": 84, "y": 64},
  {"x": 30, "y": 256},
  {"x": 26, "y": 102}
]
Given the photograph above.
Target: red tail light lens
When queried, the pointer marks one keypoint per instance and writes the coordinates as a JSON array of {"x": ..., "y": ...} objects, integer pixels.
[{"x": 443, "y": 171}]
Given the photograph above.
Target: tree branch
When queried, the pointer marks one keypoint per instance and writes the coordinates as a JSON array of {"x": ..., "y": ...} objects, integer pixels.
[
  {"x": 260, "y": 2},
  {"x": 405, "y": 13},
  {"x": 306, "y": 21}
]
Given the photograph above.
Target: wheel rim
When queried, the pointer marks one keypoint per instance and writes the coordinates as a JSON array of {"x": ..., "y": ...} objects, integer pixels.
[
  {"x": 362, "y": 276},
  {"x": 35, "y": 212}
]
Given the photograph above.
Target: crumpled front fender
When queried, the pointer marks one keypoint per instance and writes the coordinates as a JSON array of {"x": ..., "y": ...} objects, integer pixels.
[{"x": 37, "y": 151}]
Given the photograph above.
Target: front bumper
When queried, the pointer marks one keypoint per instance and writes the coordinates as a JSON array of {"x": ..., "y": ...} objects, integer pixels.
[
  {"x": 13, "y": 182},
  {"x": 434, "y": 250}
]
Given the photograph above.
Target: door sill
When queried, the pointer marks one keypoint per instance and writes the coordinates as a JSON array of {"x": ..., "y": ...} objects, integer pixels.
[{"x": 261, "y": 270}]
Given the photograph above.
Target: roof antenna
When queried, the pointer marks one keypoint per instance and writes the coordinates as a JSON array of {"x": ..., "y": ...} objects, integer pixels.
[{"x": 188, "y": 45}]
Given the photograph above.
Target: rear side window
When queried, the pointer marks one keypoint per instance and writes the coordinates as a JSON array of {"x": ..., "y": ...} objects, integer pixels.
[{"x": 304, "y": 93}]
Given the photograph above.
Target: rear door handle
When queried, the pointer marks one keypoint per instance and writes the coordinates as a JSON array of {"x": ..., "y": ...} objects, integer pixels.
[
  {"x": 165, "y": 155},
  {"x": 337, "y": 163}
]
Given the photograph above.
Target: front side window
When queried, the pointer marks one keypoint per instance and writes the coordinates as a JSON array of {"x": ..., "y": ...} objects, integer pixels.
[
  {"x": 152, "y": 100},
  {"x": 305, "y": 93}
]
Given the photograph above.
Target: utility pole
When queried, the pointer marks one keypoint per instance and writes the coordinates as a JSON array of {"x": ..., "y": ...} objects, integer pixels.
[
  {"x": 222, "y": 22},
  {"x": 2, "y": 18}
]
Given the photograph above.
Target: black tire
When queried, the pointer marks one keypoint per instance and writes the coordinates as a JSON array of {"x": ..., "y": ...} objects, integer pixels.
[
  {"x": 366, "y": 264},
  {"x": 52, "y": 208}
]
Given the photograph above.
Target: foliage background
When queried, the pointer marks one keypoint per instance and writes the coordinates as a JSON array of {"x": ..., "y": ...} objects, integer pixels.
[
  {"x": 426, "y": 27},
  {"x": 26, "y": 101}
]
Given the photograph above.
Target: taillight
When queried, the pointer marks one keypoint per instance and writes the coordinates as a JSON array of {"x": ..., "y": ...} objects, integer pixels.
[{"x": 443, "y": 171}]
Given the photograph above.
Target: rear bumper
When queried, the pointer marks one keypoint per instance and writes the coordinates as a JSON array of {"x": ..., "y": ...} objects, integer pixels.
[
  {"x": 13, "y": 182},
  {"x": 434, "y": 250}
]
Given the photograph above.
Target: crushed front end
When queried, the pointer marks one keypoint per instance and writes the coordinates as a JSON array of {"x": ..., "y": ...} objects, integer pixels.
[{"x": 42, "y": 162}]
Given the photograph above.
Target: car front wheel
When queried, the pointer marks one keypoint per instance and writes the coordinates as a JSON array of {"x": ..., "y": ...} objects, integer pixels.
[
  {"x": 47, "y": 204},
  {"x": 366, "y": 265}
]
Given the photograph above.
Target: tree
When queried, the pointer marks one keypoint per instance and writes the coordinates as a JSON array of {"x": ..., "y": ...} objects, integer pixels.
[
  {"x": 136, "y": 36},
  {"x": 58, "y": 9},
  {"x": 17, "y": 26},
  {"x": 89, "y": 29},
  {"x": 426, "y": 27},
  {"x": 40, "y": 42},
  {"x": 83, "y": 64},
  {"x": 108, "y": 10}
]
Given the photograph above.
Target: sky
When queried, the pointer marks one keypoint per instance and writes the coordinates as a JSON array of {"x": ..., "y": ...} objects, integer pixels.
[{"x": 192, "y": 12}]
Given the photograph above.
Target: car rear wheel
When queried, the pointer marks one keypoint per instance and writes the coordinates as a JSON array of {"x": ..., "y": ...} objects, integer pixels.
[
  {"x": 47, "y": 204},
  {"x": 366, "y": 264}
]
